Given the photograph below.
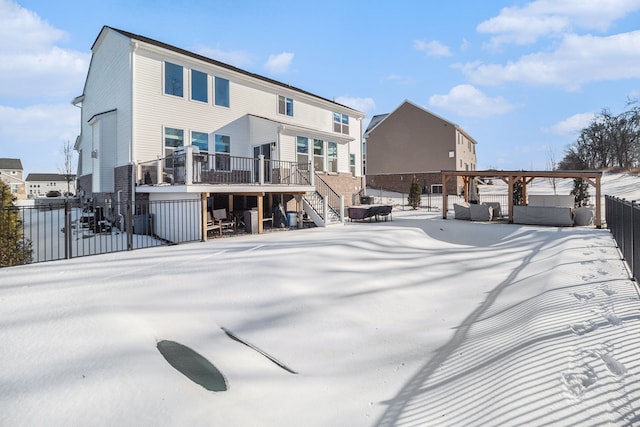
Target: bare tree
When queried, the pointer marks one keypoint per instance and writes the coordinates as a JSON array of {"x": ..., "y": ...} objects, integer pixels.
[
  {"x": 552, "y": 165},
  {"x": 608, "y": 141},
  {"x": 67, "y": 168}
]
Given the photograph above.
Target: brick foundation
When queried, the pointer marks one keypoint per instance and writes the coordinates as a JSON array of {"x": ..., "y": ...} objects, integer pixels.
[{"x": 400, "y": 183}]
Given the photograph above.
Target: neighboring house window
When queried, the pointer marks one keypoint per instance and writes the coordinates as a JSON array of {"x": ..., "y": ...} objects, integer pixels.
[
  {"x": 318, "y": 154},
  {"x": 173, "y": 79},
  {"x": 222, "y": 92},
  {"x": 199, "y": 86},
  {"x": 285, "y": 106},
  {"x": 200, "y": 140},
  {"x": 352, "y": 164},
  {"x": 332, "y": 157},
  {"x": 173, "y": 138},
  {"x": 302, "y": 149},
  {"x": 14, "y": 188},
  {"x": 341, "y": 123},
  {"x": 223, "y": 152},
  {"x": 436, "y": 188}
]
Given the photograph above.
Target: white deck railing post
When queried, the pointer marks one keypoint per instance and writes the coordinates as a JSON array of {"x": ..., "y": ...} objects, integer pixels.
[
  {"x": 312, "y": 173},
  {"x": 341, "y": 208},
  {"x": 188, "y": 164},
  {"x": 159, "y": 171},
  {"x": 261, "y": 169}
]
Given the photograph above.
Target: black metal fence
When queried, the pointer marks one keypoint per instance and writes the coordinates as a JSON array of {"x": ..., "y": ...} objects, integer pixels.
[
  {"x": 63, "y": 229},
  {"x": 623, "y": 220}
]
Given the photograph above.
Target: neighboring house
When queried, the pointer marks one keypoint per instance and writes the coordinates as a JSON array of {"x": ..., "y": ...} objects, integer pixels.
[
  {"x": 39, "y": 184},
  {"x": 11, "y": 173},
  {"x": 237, "y": 139},
  {"x": 413, "y": 141}
]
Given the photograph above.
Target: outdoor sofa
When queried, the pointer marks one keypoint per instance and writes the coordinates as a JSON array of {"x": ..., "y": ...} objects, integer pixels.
[{"x": 362, "y": 212}]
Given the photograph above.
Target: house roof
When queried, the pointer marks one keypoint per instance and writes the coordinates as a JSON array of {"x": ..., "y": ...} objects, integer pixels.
[
  {"x": 14, "y": 164},
  {"x": 382, "y": 118},
  {"x": 46, "y": 177},
  {"x": 375, "y": 120},
  {"x": 218, "y": 64}
]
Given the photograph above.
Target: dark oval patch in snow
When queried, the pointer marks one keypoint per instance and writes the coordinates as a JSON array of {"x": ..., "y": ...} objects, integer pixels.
[{"x": 192, "y": 365}]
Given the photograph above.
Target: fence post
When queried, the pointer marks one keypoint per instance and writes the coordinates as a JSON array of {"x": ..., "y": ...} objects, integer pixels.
[
  {"x": 129, "y": 226},
  {"x": 67, "y": 229}
]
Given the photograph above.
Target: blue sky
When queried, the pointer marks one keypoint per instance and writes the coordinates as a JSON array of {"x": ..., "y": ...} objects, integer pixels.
[{"x": 521, "y": 77}]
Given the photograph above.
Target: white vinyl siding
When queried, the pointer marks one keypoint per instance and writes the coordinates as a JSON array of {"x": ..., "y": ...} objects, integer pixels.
[
  {"x": 109, "y": 83},
  {"x": 154, "y": 110}
]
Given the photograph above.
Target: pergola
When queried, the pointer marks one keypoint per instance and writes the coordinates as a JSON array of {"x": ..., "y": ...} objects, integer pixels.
[{"x": 525, "y": 177}]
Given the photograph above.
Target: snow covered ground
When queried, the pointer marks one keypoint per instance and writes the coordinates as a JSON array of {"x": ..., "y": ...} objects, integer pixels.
[{"x": 417, "y": 321}]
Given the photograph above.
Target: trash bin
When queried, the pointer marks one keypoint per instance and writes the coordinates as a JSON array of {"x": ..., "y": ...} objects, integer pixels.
[
  {"x": 251, "y": 222},
  {"x": 292, "y": 219}
]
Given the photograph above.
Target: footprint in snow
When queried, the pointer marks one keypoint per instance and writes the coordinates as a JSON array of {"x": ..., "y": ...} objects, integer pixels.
[
  {"x": 608, "y": 291},
  {"x": 583, "y": 328},
  {"x": 579, "y": 379},
  {"x": 614, "y": 366},
  {"x": 584, "y": 296}
]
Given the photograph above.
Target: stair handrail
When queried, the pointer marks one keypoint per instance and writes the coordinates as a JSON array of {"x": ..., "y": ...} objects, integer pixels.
[{"x": 325, "y": 190}]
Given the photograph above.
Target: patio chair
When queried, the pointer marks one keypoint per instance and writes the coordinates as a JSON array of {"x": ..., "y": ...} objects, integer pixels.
[
  {"x": 213, "y": 224},
  {"x": 220, "y": 216}
]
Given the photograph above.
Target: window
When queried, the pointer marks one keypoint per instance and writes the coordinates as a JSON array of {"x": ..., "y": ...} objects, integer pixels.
[
  {"x": 341, "y": 123},
  {"x": 14, "y": 188},
  {"x": 318, "y": 154},
  {"x": 222, "y": 92},
  {"x": 223, "y": 152},
  {"x": 436, "y": 188},
  {"x": 285, "y": 106},
  {"x": 199, "y": 86},
  {"x": 173, "y": 79},
  {"x": 173, "y": 138},
  {"x": 302, "y": 149},
  {"x": 200, "y": 140},
  {"x": 352, "y": 164},
  {"x": 332, "y": 157}
]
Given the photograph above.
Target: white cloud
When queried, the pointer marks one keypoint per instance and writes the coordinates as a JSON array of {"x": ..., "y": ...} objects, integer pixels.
[
  {"x": 466, "y": 100},
  {"x": 576, "y": 61},
  {"x": 37, "y": 134},
  {"x": 31, "y": 64},
  {"x": 366, "y": 105},
  {"x": 432, "y": 48},
  {"x": 22, "y": 125},
  {"x": 572, "y": 125},
  {"x": 541, "y": 18},
  {"x": 280, "y": 63},
  {"x": 233, "y": 57}
]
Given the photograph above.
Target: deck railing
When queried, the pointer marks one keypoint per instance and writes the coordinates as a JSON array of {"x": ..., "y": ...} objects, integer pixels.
[{"x": 189, "y": 167}]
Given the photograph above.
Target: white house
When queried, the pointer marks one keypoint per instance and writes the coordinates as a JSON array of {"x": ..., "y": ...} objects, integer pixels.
[
  {"x": 39, "y": 184},
  {"x": 160, "y": 122}
]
